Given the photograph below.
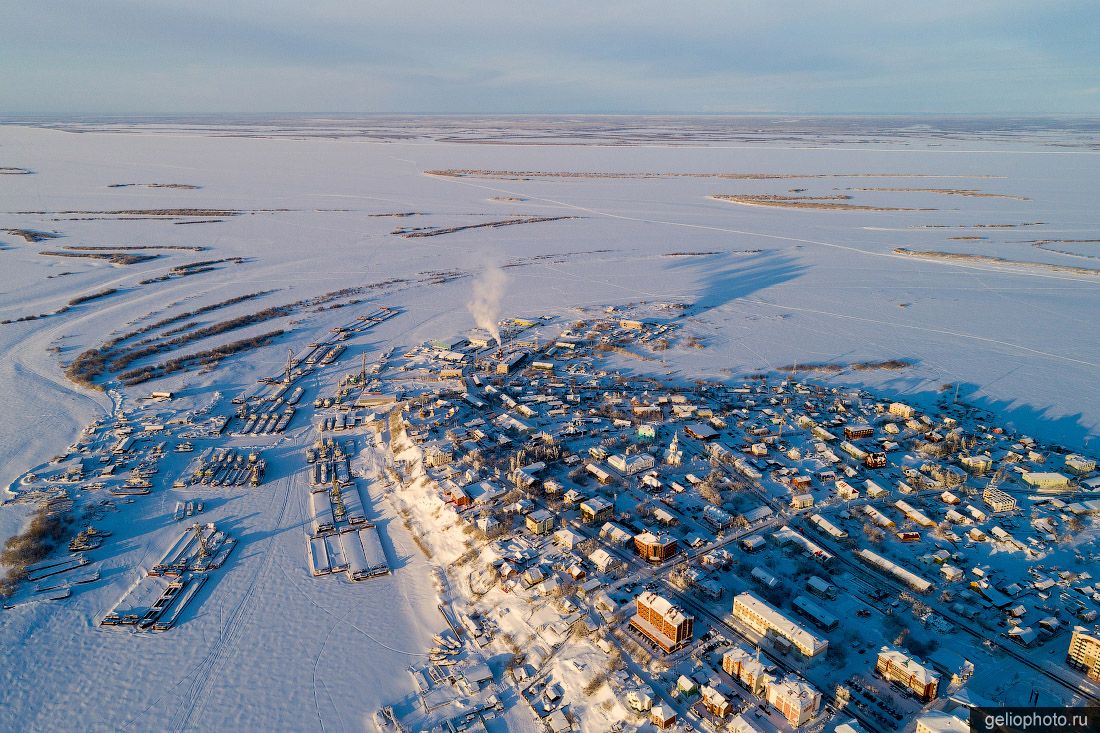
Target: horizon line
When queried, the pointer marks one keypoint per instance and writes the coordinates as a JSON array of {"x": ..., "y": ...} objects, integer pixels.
[{"x": 320, "y": 116}]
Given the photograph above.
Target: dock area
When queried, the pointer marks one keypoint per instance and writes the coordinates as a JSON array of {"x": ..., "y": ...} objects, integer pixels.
[{"x": 158, "y": 599}]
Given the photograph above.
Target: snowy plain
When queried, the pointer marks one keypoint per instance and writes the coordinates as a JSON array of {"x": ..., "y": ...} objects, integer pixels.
[{"x": 270, "y": 647}]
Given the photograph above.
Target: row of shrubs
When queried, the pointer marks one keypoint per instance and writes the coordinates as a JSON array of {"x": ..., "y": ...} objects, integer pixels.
[
  {"x": 91, "y": 363},
  {"x": 181, "y": 316},
  {"x": 65, "y": 308},
  {"x": 190, "y": 268},
  {"x": 116, "y": 258},
  {"x": 45, "y": 532},
  {"x": 128, "y": 357},
  {"x": 144, "y": 374},
  {"x": 92, "y": 296},
  {"x": 150, "y": 346},
  {"x": 99, "y": 247},
  {"x": 202, "y": 266}
]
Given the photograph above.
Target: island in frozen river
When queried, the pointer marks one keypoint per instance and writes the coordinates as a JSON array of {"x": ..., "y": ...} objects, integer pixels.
[{"x": 548, "y": 424}]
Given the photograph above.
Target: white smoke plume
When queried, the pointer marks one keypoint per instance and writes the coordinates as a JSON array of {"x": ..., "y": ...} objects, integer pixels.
[{"x": 484, "y": 306}]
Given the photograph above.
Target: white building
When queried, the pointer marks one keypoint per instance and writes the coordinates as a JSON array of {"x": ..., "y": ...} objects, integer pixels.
[
  {"x": 762, "y": 618},
  {"x": 1079, "y": 464},
  {"x": 913, "y": 580},
  {"x": 797, "y": 700},
  {"x": 567, "y": 538},
  {"x": 802, "y": 501},
  {"x": 1046, "y": 481},
  {"x": 976, "y": 464},
  {"x": 741, "y": 724},
  {"x": 630, "y": 465},
  {"x": 603, "y": 560},
  {"x": 674, "y": 456},
  {"x": 615, "y": 534},
  {"x": 902, "y": 410},
  {"x": 998, "y": 500},
  {"x": 941, "y": 722}
]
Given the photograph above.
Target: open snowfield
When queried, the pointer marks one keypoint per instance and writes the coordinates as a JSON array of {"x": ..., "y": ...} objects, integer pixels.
[{"x": 311, "y": 211}]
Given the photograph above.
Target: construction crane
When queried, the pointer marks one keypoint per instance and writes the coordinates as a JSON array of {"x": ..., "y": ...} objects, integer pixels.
[
  {"x": 289, "y": 365},
  {"x": 337, "y": 497},
  {"x": 204, "y": 549}
]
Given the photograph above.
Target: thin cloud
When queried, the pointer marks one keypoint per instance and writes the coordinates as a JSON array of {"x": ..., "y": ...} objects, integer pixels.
[{"x": 861, "y": 56}]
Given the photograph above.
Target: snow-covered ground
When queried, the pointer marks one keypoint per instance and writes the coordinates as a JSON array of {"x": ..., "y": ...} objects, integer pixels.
[{"x": 271, "y": 647}]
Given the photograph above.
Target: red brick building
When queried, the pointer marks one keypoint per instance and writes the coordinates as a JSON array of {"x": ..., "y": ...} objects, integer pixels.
[{"x": 662, "y": 623}]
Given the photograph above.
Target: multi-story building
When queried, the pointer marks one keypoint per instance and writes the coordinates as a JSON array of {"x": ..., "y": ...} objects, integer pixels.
[
  {"x": 1084, "y": 652},
  {"x": 662, "y": 716},
  {"x": 802, "y": 501},
  {"x": 734, "y": 659},
  {"x": 1046, "y": 481},
  {"x": 630, "y": 465},
  {"x": 897, "y": 666},
  {"x": 438, "y": 454},
  {"x": 540, "y": 522},
  {"x": 655, "y": 547},
  {"x": 798, "y": 701},
  {"x": 938, "y": 721},
  {"x": 1079, "y": 464},
  {"x": 857, "y": 431},
  {"x": 976, "y": 464},
  {"x": 715, "y": 702},
  {"x": 596, "y": 509},
  {"x": 762, "y": 618},
  {"x": 743, "y": 665},
  {"x": 662, "y": 623},
  {"x": 603, "y": 560},
  {"x": 998, "y": 500},
  {"x": 902, "y": 410}
]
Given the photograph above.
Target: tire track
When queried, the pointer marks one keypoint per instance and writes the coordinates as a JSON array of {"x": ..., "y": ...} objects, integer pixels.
[
  {"x": 202, "y": 673},
  {"x": 233, "y": 629}
]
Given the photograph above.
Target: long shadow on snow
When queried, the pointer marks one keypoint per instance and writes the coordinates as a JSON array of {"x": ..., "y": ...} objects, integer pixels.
[
  {"x": 726, "y": 277},
  {"x": 396, "y": 560},
  {"x": 1068, "y": 431},
  {"x": 195, "y": 609}
]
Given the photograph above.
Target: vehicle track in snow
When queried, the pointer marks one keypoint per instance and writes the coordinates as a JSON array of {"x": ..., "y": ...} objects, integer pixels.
[
  {"x": 203, "y": 673},
  {"x": 226, "y": 644}
]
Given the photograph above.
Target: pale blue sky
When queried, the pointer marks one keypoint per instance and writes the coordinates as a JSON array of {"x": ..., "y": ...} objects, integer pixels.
[{"x": 597, "y": 56}]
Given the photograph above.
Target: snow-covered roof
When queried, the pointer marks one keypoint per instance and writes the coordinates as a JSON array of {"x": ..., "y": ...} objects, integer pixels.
[
  {"x": 596, "y": 504},
  {"x": 911, "y": 579},
  {"x": 941, "y": 722},
  {"x": 740, "y": 724},
  {"x": 850, "y": 726},
  {"x": 601, "y": 558},
  {"x": 794, "y": 692},
  {"x": 664, "y": 607},
  {"x": 648, "y": 538},
  {"x": 738, "y": 654},
  {"x": 780, "y": 623}
]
